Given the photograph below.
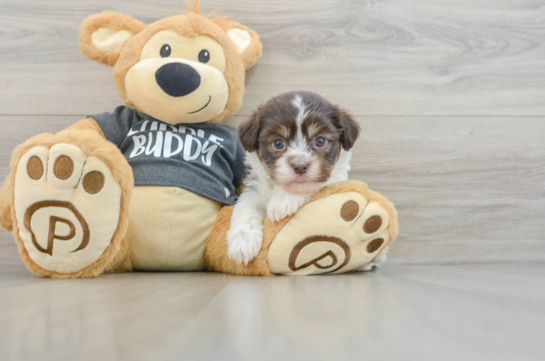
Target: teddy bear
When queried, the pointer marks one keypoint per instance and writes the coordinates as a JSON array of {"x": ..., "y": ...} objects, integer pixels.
[{"x": 150, "y": 186}]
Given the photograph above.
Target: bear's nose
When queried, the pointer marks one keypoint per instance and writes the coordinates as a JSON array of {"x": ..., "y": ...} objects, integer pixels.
[{"x": 177, "y": 79}]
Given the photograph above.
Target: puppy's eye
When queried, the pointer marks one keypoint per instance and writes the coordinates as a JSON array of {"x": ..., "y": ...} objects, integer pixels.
[
  {"x": 279, "y": 144},
  {"x": 204, "y": 56},
  {"x": 165, "y": 51},
  {"x": 320, "y": 142}
]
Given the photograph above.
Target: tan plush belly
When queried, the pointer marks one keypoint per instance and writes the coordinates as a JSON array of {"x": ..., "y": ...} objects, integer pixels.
[{"x": 168, "y": 228}]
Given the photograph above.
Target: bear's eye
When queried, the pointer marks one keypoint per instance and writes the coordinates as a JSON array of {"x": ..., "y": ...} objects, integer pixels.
[
  {"x": 204, "y": 56},
  {"x": 165, "y": 51}
]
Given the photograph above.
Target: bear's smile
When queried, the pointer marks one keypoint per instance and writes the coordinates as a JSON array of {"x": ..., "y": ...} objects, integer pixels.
[{"x": 196, "y": 111}]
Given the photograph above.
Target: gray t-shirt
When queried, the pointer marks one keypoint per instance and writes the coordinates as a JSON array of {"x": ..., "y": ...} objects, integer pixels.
[{"x": 206, "y": 159}]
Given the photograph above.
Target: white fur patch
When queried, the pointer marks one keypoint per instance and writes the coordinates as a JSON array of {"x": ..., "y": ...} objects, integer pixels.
[
  {"x": 299, "y": 145},
  {"x": 301, "y": 108},
  {"x": 245, "y": 234}
]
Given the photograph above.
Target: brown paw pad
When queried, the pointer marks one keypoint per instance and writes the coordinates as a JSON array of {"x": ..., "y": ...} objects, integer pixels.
[
  {"x": 349, "y": 210},
  {"x": 93, "y": 182},
  {"x": 372, "y": 224},
  {"x": 35, "y": 168},
  {"x": 374, "y": 245},
  {"x": 64, "y": 167}
]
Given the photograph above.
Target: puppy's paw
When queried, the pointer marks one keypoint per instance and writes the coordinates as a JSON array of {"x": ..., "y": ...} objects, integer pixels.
[
  {"x": 283, "y": 204},
  {"x": 244, "y": 244}
]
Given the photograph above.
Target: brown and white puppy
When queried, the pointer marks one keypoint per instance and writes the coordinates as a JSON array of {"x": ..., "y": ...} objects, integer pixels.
[{"x": 296, "y": 143}]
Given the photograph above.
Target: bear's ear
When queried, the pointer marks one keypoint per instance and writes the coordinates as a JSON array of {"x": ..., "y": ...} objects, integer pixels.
[
  {"x": 102, "y": 36},
  {"x": 246, "y": 41}
]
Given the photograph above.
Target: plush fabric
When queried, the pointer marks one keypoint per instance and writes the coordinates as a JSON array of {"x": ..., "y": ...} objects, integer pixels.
[
  {"x": 168, "y": 228},
  {"x": 319, "y": 240},
  {"x": 189, "y": 25},
  {"x": 6, "y": 200},
  {"x": 107, "y": 20},
  {"x": 109, "y": 40},
  {"x": 145, "y": 90},
  {"x": 93, "y": 145},
  {"x": 312, "y": 220},
  {"x": 57, "y": 209}
]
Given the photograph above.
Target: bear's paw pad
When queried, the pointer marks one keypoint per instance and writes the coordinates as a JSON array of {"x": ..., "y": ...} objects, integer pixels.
[
  {"x": 336, "y": 234},
  {"x": 67, "y": 207}
]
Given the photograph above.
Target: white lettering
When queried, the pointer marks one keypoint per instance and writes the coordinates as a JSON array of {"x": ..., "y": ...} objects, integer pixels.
[
  {"x": 183, "y": 129},
  {"x": 188, "y": 145},
  {"x": 169, "y": 144},
  {"x": 215, "y": 139},
  {"x": 156, "y": 149},
  {"x": 167, "y": 149},
  {"x": 209, "y": 151},
  {"x": 144, "y": 125},
  {"x": 132, "y": 132},
  {"x": 139, "y": 147}
]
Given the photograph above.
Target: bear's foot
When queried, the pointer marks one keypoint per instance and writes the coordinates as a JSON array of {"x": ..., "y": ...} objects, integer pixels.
[
  {"x": 335, "y": 234},
  {"x": 67, "y": 208}
]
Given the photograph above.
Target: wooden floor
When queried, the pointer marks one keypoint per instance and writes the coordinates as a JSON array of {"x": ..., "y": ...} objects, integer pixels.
[
  {"x": 428, "y": 312},
  {"x": 450, "y": 95}
]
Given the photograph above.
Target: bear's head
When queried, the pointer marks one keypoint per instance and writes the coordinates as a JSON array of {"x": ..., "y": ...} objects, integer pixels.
[{"x": 182, "y": 69}]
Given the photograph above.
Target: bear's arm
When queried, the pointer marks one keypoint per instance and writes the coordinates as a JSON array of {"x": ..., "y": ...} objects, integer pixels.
[
  {"x": 87, "y": 124},
  {"x": 6, "y": 193}
]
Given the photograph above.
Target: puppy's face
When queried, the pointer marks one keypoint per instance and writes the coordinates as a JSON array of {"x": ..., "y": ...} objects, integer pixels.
[{"x": 298, "y": 137}]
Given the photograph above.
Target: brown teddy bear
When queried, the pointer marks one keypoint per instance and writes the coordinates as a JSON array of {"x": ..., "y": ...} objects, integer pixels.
[{"x": 149, "y": 186}]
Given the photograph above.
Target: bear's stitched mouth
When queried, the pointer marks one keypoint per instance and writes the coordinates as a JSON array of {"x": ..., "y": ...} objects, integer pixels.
[{"x": 196, "y": 111}]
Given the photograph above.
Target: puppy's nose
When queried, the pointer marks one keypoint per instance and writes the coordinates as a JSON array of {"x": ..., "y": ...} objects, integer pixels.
[
  {"x": 177, "y": 79},
  {"x": 300, "y": 168}
]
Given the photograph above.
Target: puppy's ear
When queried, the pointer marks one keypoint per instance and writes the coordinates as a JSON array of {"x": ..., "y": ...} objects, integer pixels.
[
  {"x": 350, "y": 129},
  {"x": 248, "y": 132}
]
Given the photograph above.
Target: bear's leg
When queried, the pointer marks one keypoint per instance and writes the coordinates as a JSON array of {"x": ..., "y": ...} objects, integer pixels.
[
  {"x": 344, "y": 227},
  {"x": 69, "y": 203},
  {"x": 122, "y": 260}
]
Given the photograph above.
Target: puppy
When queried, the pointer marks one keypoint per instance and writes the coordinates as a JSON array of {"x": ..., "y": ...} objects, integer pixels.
[{"x": 295, "y": 144}]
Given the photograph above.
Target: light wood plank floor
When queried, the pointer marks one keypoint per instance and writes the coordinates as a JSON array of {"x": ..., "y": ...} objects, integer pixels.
[
  {"x": 470, "y": 312},
  {"x": 450, "y": 97}
]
